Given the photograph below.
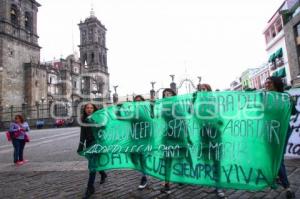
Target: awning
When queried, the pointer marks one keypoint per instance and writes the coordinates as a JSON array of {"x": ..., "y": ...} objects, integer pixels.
[
  {"x": 281, "y": 72},
  {"x": 272, "y": 58},
  {"x": 274, "y": 74},
  {"x": 278, "y": 53}
]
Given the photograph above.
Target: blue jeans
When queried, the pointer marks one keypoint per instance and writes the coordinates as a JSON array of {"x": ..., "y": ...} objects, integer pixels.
[{"x": 19, "y": 145}]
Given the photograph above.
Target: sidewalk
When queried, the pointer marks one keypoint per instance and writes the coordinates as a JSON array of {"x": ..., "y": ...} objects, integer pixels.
[{"x": 68, "y": 180}]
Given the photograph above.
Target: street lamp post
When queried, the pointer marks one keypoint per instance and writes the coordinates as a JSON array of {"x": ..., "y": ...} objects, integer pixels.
[
  {"x": 42, "y": 99},
  {"x": 115, "y": 95},
  {"x": 108, "y": 97},
  {"x": 152, "y": 91},
  {"x": 175, "y": 88},
  {"x": 24, "y": 109},
  {"x": 37, "y": 110},
  {"x": 173, "y": 85},
  {"x": 199, "y": 83}
]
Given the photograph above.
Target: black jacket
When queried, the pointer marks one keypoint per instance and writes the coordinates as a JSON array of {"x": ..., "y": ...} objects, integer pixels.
[{"x": 86, "y": 138}]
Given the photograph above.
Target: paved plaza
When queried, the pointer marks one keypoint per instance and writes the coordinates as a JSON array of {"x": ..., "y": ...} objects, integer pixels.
[{"x": 56, "y": 171}]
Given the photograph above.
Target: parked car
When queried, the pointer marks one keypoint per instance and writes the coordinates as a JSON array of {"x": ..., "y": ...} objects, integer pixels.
[
  {"x": 59, "y": 123},
  {"x": 40, "y": 124}
]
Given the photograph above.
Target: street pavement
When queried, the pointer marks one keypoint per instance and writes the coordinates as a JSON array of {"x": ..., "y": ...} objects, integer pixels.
[{"x": 56, "y": 171}]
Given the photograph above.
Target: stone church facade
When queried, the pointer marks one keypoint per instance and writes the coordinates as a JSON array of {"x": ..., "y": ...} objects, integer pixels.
[
  {"x": 24, "y": 80},
  {"x": 18, "y": 46}
]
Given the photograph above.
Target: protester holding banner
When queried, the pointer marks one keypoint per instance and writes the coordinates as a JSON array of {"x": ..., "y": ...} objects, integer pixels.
[
  {"x": 86, "y": 140},
  {"x": 143, "y": 184},
  {"x": 276, "y": 84},
  {"x": 204, "y": 87},
  {"x": 207, "y": 139},
  {"x": 18, "y": 130},
  {"x": 168, "y": 160}
]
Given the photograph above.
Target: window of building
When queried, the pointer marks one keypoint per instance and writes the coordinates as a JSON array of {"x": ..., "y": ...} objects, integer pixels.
[
  {"x": 83, "y": 36},
  {"x": 90, "y": 34},
  {"x": 11, "y": 53},
  {"x": 28, "y": 21},
  {"x": 75, "y": 84},
  {"x": 100, "y": 58},
  {"x": 273, "y": 32},
  {"x": 278, "y": 25},
  {"x": 75, "y": 70},
  {"x": 267, "y": 36},
  {"x": 92, "y": 58},
  {"x": 105, "y": 60},
  {"x": 84, "y": 59},
  {"x": 14, "y": 15}
]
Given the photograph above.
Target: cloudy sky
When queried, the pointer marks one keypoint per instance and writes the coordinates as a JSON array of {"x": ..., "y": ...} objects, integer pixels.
[{"x": 150, "y": 39}]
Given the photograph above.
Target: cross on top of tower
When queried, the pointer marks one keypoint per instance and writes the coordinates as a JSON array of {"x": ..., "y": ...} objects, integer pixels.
[{"x": 92, "y": 13}]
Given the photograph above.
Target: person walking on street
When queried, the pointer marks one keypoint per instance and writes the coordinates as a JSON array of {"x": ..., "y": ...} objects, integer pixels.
[{"x": 86, "y": 140}]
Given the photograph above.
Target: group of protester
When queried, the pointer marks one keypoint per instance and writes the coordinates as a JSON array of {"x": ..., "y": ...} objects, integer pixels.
[
  {"x": 19, "y": 128},
  {"x": 86, "y": 140}
]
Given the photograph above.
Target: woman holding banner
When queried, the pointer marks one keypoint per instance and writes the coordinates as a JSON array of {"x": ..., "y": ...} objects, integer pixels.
[
  {"x": 276, "y": 84},
  {"x": 212, "y": 127},
  {"x": 176, "y": 137},
  {"x": 168, "y": 160},
  {"x": 143, "y": 184},
  {"x": 87, "y": 139}
]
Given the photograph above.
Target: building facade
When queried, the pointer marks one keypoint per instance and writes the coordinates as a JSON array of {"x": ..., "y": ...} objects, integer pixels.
[
  {"x": 236, "y": 85},
  {"x": 246, "y": 78},
  {"x": 19, "y": 49},
  {"x": 259, "y": 77},
  {"x": 26, "y": 81},
  {"x": 276, "y": 45},
  {"x": 292, "y": 31},
  {"x": 63, "y": 80}
]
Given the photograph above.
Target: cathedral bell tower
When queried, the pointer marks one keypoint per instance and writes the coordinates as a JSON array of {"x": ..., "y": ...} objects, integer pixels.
[{"x": 93, "y": 56}]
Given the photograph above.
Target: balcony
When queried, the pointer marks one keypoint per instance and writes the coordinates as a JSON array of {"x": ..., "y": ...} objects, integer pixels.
[
  {"x": 279, "y": 62},
  {"x": 272, "y": 66}
]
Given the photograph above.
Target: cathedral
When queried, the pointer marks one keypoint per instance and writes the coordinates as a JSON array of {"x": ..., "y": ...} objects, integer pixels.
[{"x": 25, "y": 80}]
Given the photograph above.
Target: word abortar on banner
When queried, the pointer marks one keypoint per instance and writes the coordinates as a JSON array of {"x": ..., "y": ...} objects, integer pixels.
[{"x": 220, "y": 139}]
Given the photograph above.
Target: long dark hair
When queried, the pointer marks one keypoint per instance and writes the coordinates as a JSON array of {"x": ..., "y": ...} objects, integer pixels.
[
  {"x": 139, "y": 96},
  {"x": 206, "y": 86},
  {"x": 21, "y": 118},
  {"x": 84, "y": 115},
  {"x": 277, "y": 83},
  {"x": 168, "y": 90}
]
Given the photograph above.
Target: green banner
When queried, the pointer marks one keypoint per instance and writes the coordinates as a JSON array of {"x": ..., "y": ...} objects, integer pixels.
[{"x": 220, "y": 139}]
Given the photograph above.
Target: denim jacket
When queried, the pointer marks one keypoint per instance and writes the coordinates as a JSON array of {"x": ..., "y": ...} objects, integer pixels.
[{"x": 18, "y": 130}]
